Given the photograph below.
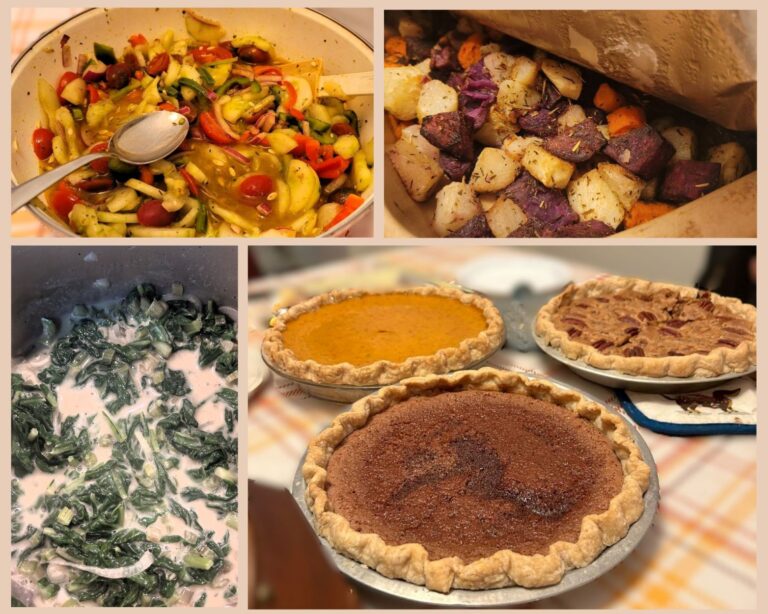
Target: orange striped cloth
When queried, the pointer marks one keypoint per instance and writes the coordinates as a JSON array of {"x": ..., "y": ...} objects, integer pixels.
[
  {"x": 701, "y": 551},
  {"x": 27, "y": 24}
]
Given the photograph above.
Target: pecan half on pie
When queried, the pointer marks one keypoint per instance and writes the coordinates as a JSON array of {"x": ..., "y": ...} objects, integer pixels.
[
  {"x": 652, "y": 329},
  {"x": 360, "y": 338},
  {"x": 475, "y": 480}
]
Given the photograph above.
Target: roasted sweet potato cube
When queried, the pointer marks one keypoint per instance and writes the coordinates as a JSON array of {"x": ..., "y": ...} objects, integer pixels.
[
  {"x": 576, "y": 144},
  {"x": 688, "y": 180},
  {"x": 477, "y": 227},
  {"x": 541, "y": 122},
  {"x": 449, "y": 132},
  {"x": 548, "y": 206},
  {"x": 642, "y": 151}
]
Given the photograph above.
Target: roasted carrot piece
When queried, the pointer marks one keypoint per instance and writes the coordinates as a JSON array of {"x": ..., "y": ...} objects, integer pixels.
[
  {"x": 642, "y": 212},
  {"x": 607, "y": 99},
  {"x": 396, "y": 125},
  {"x": 625, "y": 119},
  {"x": 395, "y": 45},
  {"x": 469, "y": 52}
]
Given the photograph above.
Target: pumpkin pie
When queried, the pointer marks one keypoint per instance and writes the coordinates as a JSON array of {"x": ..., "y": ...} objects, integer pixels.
[
  {"x": 651, "y": 329},
  {"x": 356, "y": 337},
  {"x": 475, "y": 480}
]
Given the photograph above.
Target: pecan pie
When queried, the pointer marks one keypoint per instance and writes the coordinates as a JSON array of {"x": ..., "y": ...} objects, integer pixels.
[
  {"x": 651, "y": 329},
  {"x": 356, "y": 337},
  {"x": 479, "y": 479}
]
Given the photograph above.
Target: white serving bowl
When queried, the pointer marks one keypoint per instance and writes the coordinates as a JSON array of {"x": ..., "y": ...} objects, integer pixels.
[{"x": 297, "y": 34}]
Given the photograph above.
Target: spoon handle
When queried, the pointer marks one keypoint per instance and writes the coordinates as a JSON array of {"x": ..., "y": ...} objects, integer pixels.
[{"x": 25, "y": 192}]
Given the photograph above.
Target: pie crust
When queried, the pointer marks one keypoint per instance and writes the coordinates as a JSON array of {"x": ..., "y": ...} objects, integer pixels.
[
  {"x": 715, "y": 362},
  {"x": 382, "y": 372},
  {"x": 504, "y": 568}
]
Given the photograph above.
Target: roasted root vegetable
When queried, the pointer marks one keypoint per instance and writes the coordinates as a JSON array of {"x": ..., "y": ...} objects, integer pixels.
[
  {"x": 643, "y": 151},
  {"x": 436, "y": 97},
  {"x": 683, "y": 140},
  {"x": 607, "y": 99},
  {"x": 476, "y": 228},
  {"x": 515, "y": 145},
  {"x": 688, "y": 180},
  {"x": 402, "y": 86},
  {"x": 592, "y": 198},
  {"x": 733, "y": 160},
  {"x": 494, "y": 170},
  {"x": 455, "y": 205},
  {"x": 550, "y": 170},
  {"x": 625, "y": 119},
  {"x": 469, "y": 52},
  {"x": 505, "y": 217},
  {"x": 577, "y": 143},
  {"x": 624, "y": 184},
  {"x": 420, "y": 172},
  {"x": 565, "y": 77},
  {"x": 642, "y": 212}
]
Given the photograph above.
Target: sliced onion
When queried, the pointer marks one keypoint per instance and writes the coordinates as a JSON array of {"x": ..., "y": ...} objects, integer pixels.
[
  {"x": 115, "y": 573},
  {"x": 233, "y": 153}
]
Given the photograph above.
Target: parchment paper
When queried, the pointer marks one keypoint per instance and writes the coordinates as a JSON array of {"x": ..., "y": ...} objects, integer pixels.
[{"x": 702, "y": 61}]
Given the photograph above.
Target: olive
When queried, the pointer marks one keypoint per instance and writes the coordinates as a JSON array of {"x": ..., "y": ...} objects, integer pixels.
[
  {"x": 252, "y": 54},
  {"x": 118, "y": 75}
]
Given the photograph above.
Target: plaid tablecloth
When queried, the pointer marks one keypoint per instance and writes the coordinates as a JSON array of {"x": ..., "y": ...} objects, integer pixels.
[
  {"x": 701, "y": 550},
  {"x": 29, "y": 23}
]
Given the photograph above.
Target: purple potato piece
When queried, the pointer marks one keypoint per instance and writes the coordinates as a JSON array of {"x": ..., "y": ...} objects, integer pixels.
[
  {"x": 541, "y": 121},
  {"x": 687, "y": 180},
  {"x": 444, "y": 60},
  {"x": 577, "y": 143},
  {"x": 547, "y": 206},
  {"x": 477, "y": 227},
  {"x": 596, "y": 115},
  {"x": 590, "y": 228},
  {"x": 450, "y": 132},
  {"x": 642, "y": 151},
  {"x": 417, "y": 49},
  {"x": 551, "y": 96},
  {"x": 454, "y": 169}
]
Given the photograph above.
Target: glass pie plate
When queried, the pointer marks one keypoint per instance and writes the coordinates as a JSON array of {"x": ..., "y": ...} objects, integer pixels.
[
  {"x": 638, "y": 383},
  {"x": 342, "y": 393}
]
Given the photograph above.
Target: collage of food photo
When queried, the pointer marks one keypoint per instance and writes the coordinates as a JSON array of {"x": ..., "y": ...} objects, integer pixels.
[{"x": 381, "y": 308}]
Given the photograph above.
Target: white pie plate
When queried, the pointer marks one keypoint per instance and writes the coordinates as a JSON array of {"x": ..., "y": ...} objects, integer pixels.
[
  {"x": 638, "y": 383},
  {"x": 498, "y": 597}
]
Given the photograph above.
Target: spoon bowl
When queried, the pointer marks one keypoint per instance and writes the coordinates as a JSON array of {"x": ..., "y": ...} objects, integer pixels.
[{"x": 143, "y": 140}]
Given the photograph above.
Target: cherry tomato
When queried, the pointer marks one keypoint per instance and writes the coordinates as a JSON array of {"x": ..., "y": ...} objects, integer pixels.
[
  {"x": 158, "y": 64},
  {"x": 212, "y": 130},
  {"x": 100, "y": 166},
  {"x": 64, "y": 197},
  {"x": 203, "y": 55},
  {"x": 42, "y": 143},
  {"x": 152, "y": 213},
  {"x": 64, "y": 81},
  {"x": 255, "y": 186},
  {"x": 342, "y": 128}
]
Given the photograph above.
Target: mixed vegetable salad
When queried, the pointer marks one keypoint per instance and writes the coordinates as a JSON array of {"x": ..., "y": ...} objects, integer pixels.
[
  {"x": 264, "y": 156},
  {"x": 124, "y": 456},
  {"x": 513, "y": 142}
]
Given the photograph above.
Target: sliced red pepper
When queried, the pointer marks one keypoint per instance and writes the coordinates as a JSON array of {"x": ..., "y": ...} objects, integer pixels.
[
  {"x": 267, "y": 70},
  {"x": 203, "y": 55},
  {"x": 146, "y": 175},
  {"x": 94, "y": 94},
  {"x": 312, "y": 149},
  {"x": 167, "y": 106},
  {"x": 100, "y": 166},
  {"x": 137, "y": 39},
  {"x": 297, "y": 114},
  {"x": 326, "y": 152},
  {"x": 351, "y": 204},
  {"x": 134, "y": 96},
  {"x": 193, "y": 187},
  {"x": 212, "y": 130},
  {"x": 291, "y": 101},
  {"x": 331, "y": 168}
]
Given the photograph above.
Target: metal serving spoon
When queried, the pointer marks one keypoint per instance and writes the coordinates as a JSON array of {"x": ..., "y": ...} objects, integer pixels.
[{"x": 143, "y": 140}]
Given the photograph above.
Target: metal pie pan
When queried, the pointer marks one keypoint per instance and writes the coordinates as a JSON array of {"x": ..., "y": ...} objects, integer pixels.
[
  {"x": 498, "y": 597},
  {"x": 341, "y": 393},
  {"x": 638, "y": 383}
]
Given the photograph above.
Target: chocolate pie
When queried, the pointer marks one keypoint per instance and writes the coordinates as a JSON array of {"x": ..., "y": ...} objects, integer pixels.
[
  {"x": 480, "y": 479},
  {"x": 651, "y": 329}
]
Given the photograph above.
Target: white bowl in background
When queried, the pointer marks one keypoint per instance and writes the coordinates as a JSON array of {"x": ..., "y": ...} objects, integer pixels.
[{"x": 298, "y": 34}]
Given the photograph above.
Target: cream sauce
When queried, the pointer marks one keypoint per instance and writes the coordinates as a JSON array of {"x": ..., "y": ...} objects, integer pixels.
[{"x": 84, "y": 401}]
